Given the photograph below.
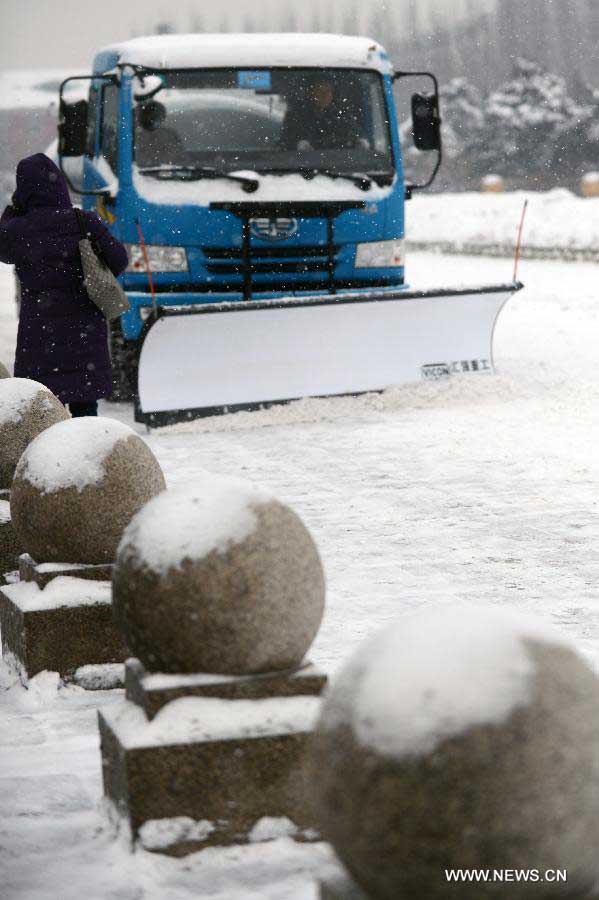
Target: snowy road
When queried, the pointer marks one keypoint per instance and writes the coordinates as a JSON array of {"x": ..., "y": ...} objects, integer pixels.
[{"x": 477, "y": 488}]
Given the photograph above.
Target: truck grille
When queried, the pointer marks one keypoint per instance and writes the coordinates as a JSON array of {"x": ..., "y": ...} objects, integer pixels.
[{"x": 269, "y": 260}]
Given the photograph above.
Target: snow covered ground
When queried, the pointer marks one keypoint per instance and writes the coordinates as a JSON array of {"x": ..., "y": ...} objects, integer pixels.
[
  {"x": 478, "y": 488},
  {"x": 558, "y": 223}
]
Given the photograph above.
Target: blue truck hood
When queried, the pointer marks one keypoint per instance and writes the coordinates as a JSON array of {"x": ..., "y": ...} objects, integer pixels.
[{"x": 166, "y": 208}]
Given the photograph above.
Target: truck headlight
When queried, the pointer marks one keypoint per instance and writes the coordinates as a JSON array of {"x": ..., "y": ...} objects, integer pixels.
[
  {"x": 380, "y": 255},
  {"x": 161, "y": 259}
]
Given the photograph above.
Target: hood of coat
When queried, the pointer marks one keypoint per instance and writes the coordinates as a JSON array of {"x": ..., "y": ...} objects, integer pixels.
[{"x": 40, "y": 183}]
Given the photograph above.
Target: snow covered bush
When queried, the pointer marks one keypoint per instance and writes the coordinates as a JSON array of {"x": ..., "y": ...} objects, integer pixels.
[
  {"x": 463, "y": 118},
  {"x": 525, "y": 118}
]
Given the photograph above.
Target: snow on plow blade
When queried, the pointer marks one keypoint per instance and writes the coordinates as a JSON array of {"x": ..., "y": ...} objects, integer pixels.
[{"x": 220, "y": 358}]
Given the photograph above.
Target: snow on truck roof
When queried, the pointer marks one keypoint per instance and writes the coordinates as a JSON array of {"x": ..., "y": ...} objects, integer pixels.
[{"x": 180, "y": 51}]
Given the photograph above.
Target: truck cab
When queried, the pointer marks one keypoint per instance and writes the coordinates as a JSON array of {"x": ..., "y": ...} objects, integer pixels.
[{"x": 243, "y": 167}]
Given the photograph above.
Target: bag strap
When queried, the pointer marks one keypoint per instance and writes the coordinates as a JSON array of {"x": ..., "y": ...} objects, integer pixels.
[
  {"x": 86, "y": 235},
  {"x": 81, "y": 222}
]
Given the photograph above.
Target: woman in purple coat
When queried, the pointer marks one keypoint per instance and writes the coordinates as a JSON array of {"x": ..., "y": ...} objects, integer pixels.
[{"x": 62, "y": 340}]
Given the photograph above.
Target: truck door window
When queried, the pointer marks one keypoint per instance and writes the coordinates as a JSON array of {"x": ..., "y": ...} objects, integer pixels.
[
  {"x": 92, "y": 116},
  {"x": 109, "y": 130}
]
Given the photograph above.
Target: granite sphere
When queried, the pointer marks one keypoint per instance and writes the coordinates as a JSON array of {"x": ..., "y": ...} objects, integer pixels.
[
  {"x": 4, "y": 373},
  {"x": 492, "y": 184},
  {"x": 76, "y": 488},
  {"x": 589, "y": 184},
  {"x": 219, "y": 578},
  {"x": 26, "y": 409},
  {"x": 461, "y": 739}
]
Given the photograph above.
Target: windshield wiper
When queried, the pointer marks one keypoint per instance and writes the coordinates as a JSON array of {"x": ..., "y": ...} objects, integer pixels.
[
  {"x": 360, "y": 179},
  {"x": 194, "y": 173}
]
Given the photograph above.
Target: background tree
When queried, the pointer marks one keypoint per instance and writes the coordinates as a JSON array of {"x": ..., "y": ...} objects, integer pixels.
[
  {"x": 316, "y": 21},
  {"x": 223, "y": 24},
  {"x": 196, "y": 23},
  {"x": 289, "y": 22},
  {"x": 465, "y": 131},
  {"x": 350, "y": 23},
  {"x": 248, "y": 25},
  {"x": 382, "y": 26},
  {"x": 524, "y": 119}
]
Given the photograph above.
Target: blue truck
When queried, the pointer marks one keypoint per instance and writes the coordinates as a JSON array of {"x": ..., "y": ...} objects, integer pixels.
[{"x": 257, "y": 181}]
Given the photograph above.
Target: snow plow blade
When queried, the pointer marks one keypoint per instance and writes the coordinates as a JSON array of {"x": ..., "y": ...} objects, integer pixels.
[{"x": 218, "y": 358}]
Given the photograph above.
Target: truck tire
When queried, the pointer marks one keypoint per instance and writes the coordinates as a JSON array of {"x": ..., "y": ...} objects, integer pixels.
[{"x": 123, "y": 354}]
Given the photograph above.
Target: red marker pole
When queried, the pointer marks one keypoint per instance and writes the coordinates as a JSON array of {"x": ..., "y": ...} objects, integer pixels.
[
  {"x": 148, "y": 270},
  {"x": 519, "y": 241}
]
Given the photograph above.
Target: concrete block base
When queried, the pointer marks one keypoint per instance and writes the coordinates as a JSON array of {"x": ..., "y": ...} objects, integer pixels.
[
  {"x": 232, "y": 767},
  {"x": 10, "y": 547},
  {"x": 60, "y": 623},
  {"x": 153, "y": 691},
  {"x": 43, "y": 573}
]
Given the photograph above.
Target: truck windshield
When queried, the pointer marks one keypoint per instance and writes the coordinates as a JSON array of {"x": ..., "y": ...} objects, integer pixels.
[{"x": 279, "y": 120}]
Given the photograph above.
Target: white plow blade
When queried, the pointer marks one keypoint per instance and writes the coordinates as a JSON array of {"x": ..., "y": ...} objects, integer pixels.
[{"x": 242, "y": 355}]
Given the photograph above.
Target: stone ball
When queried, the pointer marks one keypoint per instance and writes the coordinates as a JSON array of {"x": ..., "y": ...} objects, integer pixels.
[
  {"x": 461, "y": 738},
  {"x": 492, "y": 184},
  {"x": 219, "y": 578},
  {"x": 26, "y": 409},
  {"x": 4, "y": 373},
  {"x": 589, "y": 184},
  {"x": 77, "y": 486}
]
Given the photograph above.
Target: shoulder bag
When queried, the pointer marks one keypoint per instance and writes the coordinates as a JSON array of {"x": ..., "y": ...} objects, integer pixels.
[{"x": 102, "y": 287}]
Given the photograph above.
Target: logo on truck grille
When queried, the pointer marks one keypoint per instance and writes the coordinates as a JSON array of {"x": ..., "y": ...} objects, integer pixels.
[{"x": 273, "y": 229}]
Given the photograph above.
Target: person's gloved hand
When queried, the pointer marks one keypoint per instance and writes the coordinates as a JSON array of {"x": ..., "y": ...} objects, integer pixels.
[{"x": 304, "y": 145}]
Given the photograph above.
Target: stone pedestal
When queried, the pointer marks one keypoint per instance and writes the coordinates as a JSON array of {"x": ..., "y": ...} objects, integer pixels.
[
  {"x": 43, "y": 573},
  {"x": 225, "y": 753},
  {"x": 153, "y": 692},
  {"x": 341, "y": 887},
  {"x": 10, "y": 546},
  {"x": 59, "y": 617}
]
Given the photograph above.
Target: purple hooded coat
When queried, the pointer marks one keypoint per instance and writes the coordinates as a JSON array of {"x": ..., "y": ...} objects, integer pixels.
[{"x": 62, "y": 340}]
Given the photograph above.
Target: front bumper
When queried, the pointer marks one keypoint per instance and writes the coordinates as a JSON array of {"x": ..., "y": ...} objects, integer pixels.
[{"x": 133, "y": 320}]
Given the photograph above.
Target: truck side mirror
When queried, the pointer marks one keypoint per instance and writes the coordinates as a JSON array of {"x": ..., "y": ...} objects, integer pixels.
[
  {"x": 147, "y": 86},
  {"x": 72, "y": 128},
  {"x": 426, "y": 122},
  {"x": 426, "y": 125},
  {"x": 74, "y": 112}
]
